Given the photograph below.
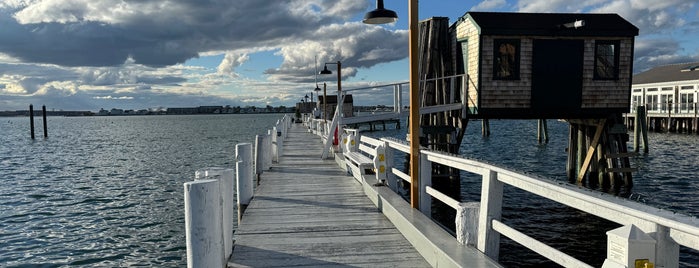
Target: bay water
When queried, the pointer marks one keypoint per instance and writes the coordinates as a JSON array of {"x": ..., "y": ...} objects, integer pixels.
[{"x": 107, "y": 191}]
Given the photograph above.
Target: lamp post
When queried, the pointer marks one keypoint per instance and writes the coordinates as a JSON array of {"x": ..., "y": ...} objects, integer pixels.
[
  {"x": 339, "y": 82},
  {"x": 317, "y": 90},
  {"x": 325, "y": 101},
  {"x": 381, "y": 16}
]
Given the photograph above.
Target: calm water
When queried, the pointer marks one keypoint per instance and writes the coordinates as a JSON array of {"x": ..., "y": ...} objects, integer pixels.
[{"x": 107, "y": 191}]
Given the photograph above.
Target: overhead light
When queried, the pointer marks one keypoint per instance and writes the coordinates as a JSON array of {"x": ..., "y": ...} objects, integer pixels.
[
  {"x": 380, "y": 15},
  {"x": 576, "y": 24},
  {"x": 325, "y": 70}
]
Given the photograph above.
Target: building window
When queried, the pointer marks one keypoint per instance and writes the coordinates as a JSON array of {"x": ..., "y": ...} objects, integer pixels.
[
  {"x": 652, "y": 102},
  {"x": 506, "y": 62},
  {"x": 607, "y": 60},
  {"x": 687, "y": 102}
]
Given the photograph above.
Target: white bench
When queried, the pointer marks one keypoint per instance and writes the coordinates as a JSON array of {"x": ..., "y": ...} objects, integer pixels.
[{"x": 365, "y": 156}]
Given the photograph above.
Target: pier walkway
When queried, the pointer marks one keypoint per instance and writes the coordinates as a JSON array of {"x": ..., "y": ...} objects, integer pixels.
[{"x": 308, "y": 212}]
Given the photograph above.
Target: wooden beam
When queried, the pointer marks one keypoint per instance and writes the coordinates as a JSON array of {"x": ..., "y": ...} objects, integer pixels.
[{"x": 591, "y": 149}]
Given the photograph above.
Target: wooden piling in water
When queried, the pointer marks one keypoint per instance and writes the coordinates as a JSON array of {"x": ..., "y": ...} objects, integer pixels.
[
  {"x": 485, "y": 128},
  {"x": 43, "y": 113},
  {"x": 640, "y": 130},
  {"x": 31, "y": 119},
  {"x": 542, "y": 133},
  {"x": 597, "y": 156}
]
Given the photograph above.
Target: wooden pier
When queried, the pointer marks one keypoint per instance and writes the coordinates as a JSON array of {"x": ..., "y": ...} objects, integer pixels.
[{"x": 308, "y": 212}]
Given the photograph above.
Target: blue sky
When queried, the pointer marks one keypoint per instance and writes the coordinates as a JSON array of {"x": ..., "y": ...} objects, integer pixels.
[{"x": 92, "y": 54}]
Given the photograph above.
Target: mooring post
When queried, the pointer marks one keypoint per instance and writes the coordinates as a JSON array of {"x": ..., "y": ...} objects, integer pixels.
[
  {"x": 640, "y": 130},
  {"x": 31, "y": 119},
  {"x": 275, "y": 144},
  {"x": 243, "y": 167},
  {"x": 204, "y": 234},
  {"x": 258, "y": 156},
  {"x": 226, "y": 191},
  {"x": 43, "y": 112},
  {"x": 485, "y": 128},
  {"x": 268, "y": 150}
]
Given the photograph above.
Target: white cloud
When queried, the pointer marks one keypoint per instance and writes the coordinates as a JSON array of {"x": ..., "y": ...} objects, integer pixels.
[
  {"x": 113, "y": 98},
  {"x": 230, "y": 62},
  {"x": 488, "y": 5},
  {"x": 82, "y": 50}
]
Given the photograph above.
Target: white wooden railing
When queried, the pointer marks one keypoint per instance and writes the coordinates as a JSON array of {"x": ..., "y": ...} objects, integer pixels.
[{"x": 669, "y": 230}]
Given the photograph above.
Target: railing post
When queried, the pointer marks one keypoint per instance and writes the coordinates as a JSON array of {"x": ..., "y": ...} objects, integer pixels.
[
  {"x": 397, "y": 98},
  {"x": 202, "y": 219},
  {"x": 380, "y": 164},
  {"x": 243, "y": 167},
  {"x": 667, "y": 251},
  {"x": 226, "y": 191},
  {"x": 425, "y": 180},
  {"x": 491, "y": 209}
]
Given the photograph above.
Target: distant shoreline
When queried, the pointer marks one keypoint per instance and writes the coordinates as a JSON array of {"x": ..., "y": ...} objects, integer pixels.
[{"x": 168, "y": 111}]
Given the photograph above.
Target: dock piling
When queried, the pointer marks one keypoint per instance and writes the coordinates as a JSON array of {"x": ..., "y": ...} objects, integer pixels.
[
  {"x": 31, "y": 119},
  {"x": 243, "y": 167},
  {"x": 640, "y": 130},
  {"x": 202, "y": 208},
  {"x": 225, "y": 178},
  {"x": 43, "y": 113}
]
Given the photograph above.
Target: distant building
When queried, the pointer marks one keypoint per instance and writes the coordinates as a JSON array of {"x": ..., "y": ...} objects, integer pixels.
[
  {"x": 347, "y": 107},
  {"x": 210, "y": 109},
  {"x": 669, "y": 88},
  {"x": 305, "y": 107},
  {"x": 116, "y": 112}
]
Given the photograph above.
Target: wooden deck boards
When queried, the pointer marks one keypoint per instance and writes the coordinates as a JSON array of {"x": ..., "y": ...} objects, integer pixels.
[{"x": 308, "y": 212}]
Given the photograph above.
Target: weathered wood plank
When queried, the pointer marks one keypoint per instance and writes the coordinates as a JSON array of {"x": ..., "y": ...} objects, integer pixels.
[{"x": 307, "y": 212}]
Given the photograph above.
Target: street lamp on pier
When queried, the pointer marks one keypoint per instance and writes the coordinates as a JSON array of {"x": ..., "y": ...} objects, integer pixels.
[
  {"x": 381, "y": 16},
  {"x": 339, "y": 83}
]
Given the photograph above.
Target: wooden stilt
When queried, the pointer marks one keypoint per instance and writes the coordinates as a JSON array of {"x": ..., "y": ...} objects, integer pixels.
[
  {"x": 591, "y": 149},
  {"x": 485, "y": 128},
  {"x": 542, "y": 133},
  {"x": 31, "y": 119},
  {"x": 641, "y": 130},
  {"x": 572, "y": 150}
]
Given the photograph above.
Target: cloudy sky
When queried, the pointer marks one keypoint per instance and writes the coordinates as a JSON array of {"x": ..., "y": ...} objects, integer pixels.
[{"x": 140, "y": 54}]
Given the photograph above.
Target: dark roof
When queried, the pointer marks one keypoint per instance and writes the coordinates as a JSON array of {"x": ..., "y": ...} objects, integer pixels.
[
  {"x": 668, "y": 73},
  {"x": 332, "y": 99},
  {"x": 551, "y": 24}
]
